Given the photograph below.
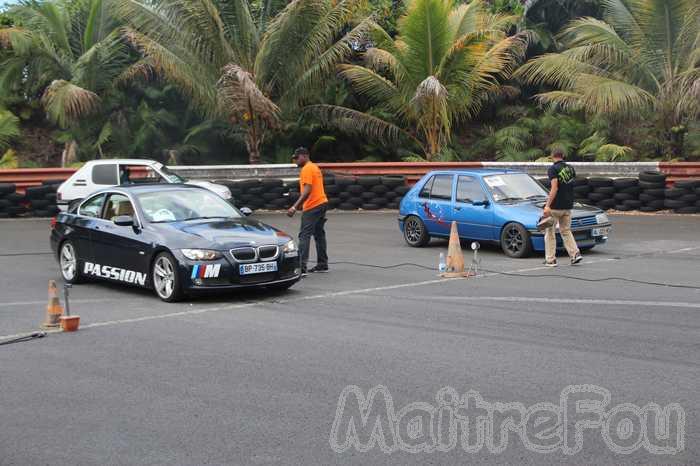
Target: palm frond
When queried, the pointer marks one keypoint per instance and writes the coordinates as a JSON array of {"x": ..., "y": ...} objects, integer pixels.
[
  {"x": 322, "y": 68},
  {"x": 9, "y": 128},
  {"x": 368, "y": 83},
  {"x": 358, "y": 123},
  {"x": 239, "y": 95},
  {"x": 66, "y": 103}
]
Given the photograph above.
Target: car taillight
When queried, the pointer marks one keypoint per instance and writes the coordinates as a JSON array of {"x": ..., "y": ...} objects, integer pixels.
[
  {"x": 59, "y": 196},
  {"x": 53, "y": 222}
]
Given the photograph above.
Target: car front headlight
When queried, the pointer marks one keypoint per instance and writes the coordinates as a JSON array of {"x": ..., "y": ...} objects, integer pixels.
[
  {"x": 602, "y": 218},
  {"x": 290, "y": 247},
  {"x": 201, "y": 254}
]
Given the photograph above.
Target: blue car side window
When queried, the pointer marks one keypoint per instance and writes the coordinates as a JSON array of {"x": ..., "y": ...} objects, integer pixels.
[
  {"x": 442, "y": 188},
  {"x": 469, "y": 190},
  {"x": 427, "y": 187}
]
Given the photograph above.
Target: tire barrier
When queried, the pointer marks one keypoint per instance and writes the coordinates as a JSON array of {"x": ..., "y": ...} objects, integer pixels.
[
  {"x": 344, "y": 192},
  {"x": 647, "y": 193},
  {"x": 36, "y": 201},
  {"x": 650, "y": 191}
]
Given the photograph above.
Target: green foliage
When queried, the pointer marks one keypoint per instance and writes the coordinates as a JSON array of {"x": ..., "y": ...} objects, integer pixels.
[
  {"x": 613, "y": 153},
  {"x": 445, "y": 65},
  {"x": 640, "y": 62},
  {"x": 9, "y": 128},
  {"x": 9, "y": 160}
]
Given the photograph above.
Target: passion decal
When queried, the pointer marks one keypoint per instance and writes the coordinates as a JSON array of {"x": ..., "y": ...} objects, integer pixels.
[{"x": 115, "y": 273}]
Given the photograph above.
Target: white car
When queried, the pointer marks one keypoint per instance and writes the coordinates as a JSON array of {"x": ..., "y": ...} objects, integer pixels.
[{"x": 99, "y": 174}]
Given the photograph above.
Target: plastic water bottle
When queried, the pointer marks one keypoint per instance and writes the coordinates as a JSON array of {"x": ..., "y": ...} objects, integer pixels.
[{"x": 442, "y": 265}]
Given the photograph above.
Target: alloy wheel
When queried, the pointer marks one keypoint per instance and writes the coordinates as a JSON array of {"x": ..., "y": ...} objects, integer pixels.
[
  {"x": 68, "y": 262},
  {"x": 164, "y": 277},
  {"x": 413, "y": 230},
  {"x": 514, "y": 240}
]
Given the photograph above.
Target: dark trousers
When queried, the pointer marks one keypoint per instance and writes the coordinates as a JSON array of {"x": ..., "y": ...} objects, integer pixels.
[{"x": 312, "y": 224}]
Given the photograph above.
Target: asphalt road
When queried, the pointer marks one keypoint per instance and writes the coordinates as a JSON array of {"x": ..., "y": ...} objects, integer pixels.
[{"x": 257, "y": 379}]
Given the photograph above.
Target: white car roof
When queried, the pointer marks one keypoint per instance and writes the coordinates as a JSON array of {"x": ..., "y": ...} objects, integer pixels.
[{"x": 123, "y": 162}]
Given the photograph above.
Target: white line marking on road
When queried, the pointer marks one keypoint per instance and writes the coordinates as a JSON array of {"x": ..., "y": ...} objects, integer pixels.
[
  {"x": 519, "y": 299},
  {"x": 34, "y": 303}
]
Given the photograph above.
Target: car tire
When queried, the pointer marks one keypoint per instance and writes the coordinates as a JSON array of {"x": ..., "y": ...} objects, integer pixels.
[
  {"x": 623, "y": 183},
  {"x": 166, "y": 278},
  {"x": 68, "y": 261},
  {"x": 652, "y": 177},
  {"x": 415, "y": 232},
  {"x": 515, "y": 241}
]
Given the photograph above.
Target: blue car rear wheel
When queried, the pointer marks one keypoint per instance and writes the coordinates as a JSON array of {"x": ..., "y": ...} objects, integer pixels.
[
  {"x": 414, "y": 232},
  {"x": 515, "y": 241}
]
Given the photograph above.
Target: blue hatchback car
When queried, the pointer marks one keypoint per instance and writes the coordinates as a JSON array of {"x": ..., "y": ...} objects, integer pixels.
[{"x": 501, "y": 206}]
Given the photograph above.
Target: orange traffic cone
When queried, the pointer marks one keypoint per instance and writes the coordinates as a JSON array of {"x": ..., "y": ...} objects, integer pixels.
[
  {"x": 53, "y": 309},
  {"x": 455, "y": 257}
]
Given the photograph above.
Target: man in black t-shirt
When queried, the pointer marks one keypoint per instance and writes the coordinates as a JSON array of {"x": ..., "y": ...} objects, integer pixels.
[{"x": 559, "y": 204}]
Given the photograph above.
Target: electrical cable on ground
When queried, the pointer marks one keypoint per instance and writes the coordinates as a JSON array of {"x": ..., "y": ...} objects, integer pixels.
[
  {"x": 31, "y": 336},
  {"x": 515, "y": 274}
]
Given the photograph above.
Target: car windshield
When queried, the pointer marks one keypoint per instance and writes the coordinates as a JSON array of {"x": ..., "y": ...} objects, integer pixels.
[
  {"x": 511, "y": 187},
  {"x": 184, "y": 204},
  {"x": 171, "y": 176}
]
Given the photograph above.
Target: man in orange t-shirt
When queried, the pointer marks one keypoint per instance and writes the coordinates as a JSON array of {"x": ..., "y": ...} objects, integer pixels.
[{"x": 314, "y": 204}]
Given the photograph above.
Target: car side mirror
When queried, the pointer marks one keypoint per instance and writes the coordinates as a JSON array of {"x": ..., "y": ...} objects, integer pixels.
[
  {"x": 246, "y": 211},
  {"x": 124, "y": 220},
  {"x": 484, "y": 203}
]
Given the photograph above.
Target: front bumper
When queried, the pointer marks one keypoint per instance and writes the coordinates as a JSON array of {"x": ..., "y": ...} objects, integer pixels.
[
  {"x": 223, "y": 274},
  {"x": 584, "y": 237}
]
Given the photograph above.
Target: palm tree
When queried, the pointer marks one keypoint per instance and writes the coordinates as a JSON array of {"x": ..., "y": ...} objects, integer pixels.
[
  {"x": 253, "y": 72},
  {"x": 69, "y": 52},
  {"x": 642, "y": 61},
  {"x": 443, "y": 67}
]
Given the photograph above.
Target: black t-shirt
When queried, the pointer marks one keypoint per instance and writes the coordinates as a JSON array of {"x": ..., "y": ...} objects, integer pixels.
[{"x": 566, "y": 175}]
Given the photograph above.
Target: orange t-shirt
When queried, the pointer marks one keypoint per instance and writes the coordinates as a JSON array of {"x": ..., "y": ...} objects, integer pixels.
[{"x": 311, "y": 175}]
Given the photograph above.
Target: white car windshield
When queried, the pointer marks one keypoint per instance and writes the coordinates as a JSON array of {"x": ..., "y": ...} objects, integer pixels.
[
  {"x": 185, "y": 204},
  {"x": 511, "y": 187},
  {"x": 171, "y": 176}
]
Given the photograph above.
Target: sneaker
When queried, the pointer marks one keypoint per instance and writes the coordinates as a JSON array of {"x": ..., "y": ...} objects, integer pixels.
[
  {"x": 550, "y": 264},
  {"x": 319, "y": 269},
  {"x": 576, "y": 259},
  {"x": 303, "y": 272}
]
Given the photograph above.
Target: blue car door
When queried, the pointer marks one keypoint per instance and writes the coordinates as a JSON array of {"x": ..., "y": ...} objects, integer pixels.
[
  {"x": 472, "y": 210},
  {"x": 435, "y": 204}
]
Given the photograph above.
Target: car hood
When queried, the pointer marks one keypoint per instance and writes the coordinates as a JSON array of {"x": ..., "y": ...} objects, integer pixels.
[
  {"x": 219, "y": 189},
  {"x": 528, "y": 213},
  {"x": 226, "y": 234}
]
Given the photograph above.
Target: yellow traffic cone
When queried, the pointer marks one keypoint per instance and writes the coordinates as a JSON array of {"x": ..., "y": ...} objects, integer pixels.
[
  {"x": 53, "y": 309},
  {"x": 455, "y": 257}
]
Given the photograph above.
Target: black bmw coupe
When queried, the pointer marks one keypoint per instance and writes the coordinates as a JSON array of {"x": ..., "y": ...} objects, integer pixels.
[{"x": 175, "y": 239}]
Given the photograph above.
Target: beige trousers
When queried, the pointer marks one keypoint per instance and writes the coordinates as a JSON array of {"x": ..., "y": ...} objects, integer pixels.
[{"x": 563, "y": 218}]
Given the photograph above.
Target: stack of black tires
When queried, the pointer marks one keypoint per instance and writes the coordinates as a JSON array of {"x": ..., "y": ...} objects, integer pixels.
[
  {"x": 626, "y": 195},
  {"x": 581, "y": 190},
  {"x": 41, "y": 200},
  {"x": 11, "y": 202},
  {"x": 652, "y": 195},
  {"x": 366, "y": 192},
  {"x": 343, "y": 191},
  {"x": 601, "y": 192},
  {"x": 682, "y": 198},
  {"x": 266, "y": 193}
]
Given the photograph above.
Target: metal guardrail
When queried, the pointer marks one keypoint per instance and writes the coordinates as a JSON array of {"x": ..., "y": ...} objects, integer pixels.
[{"x": 25, "y": 177}]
